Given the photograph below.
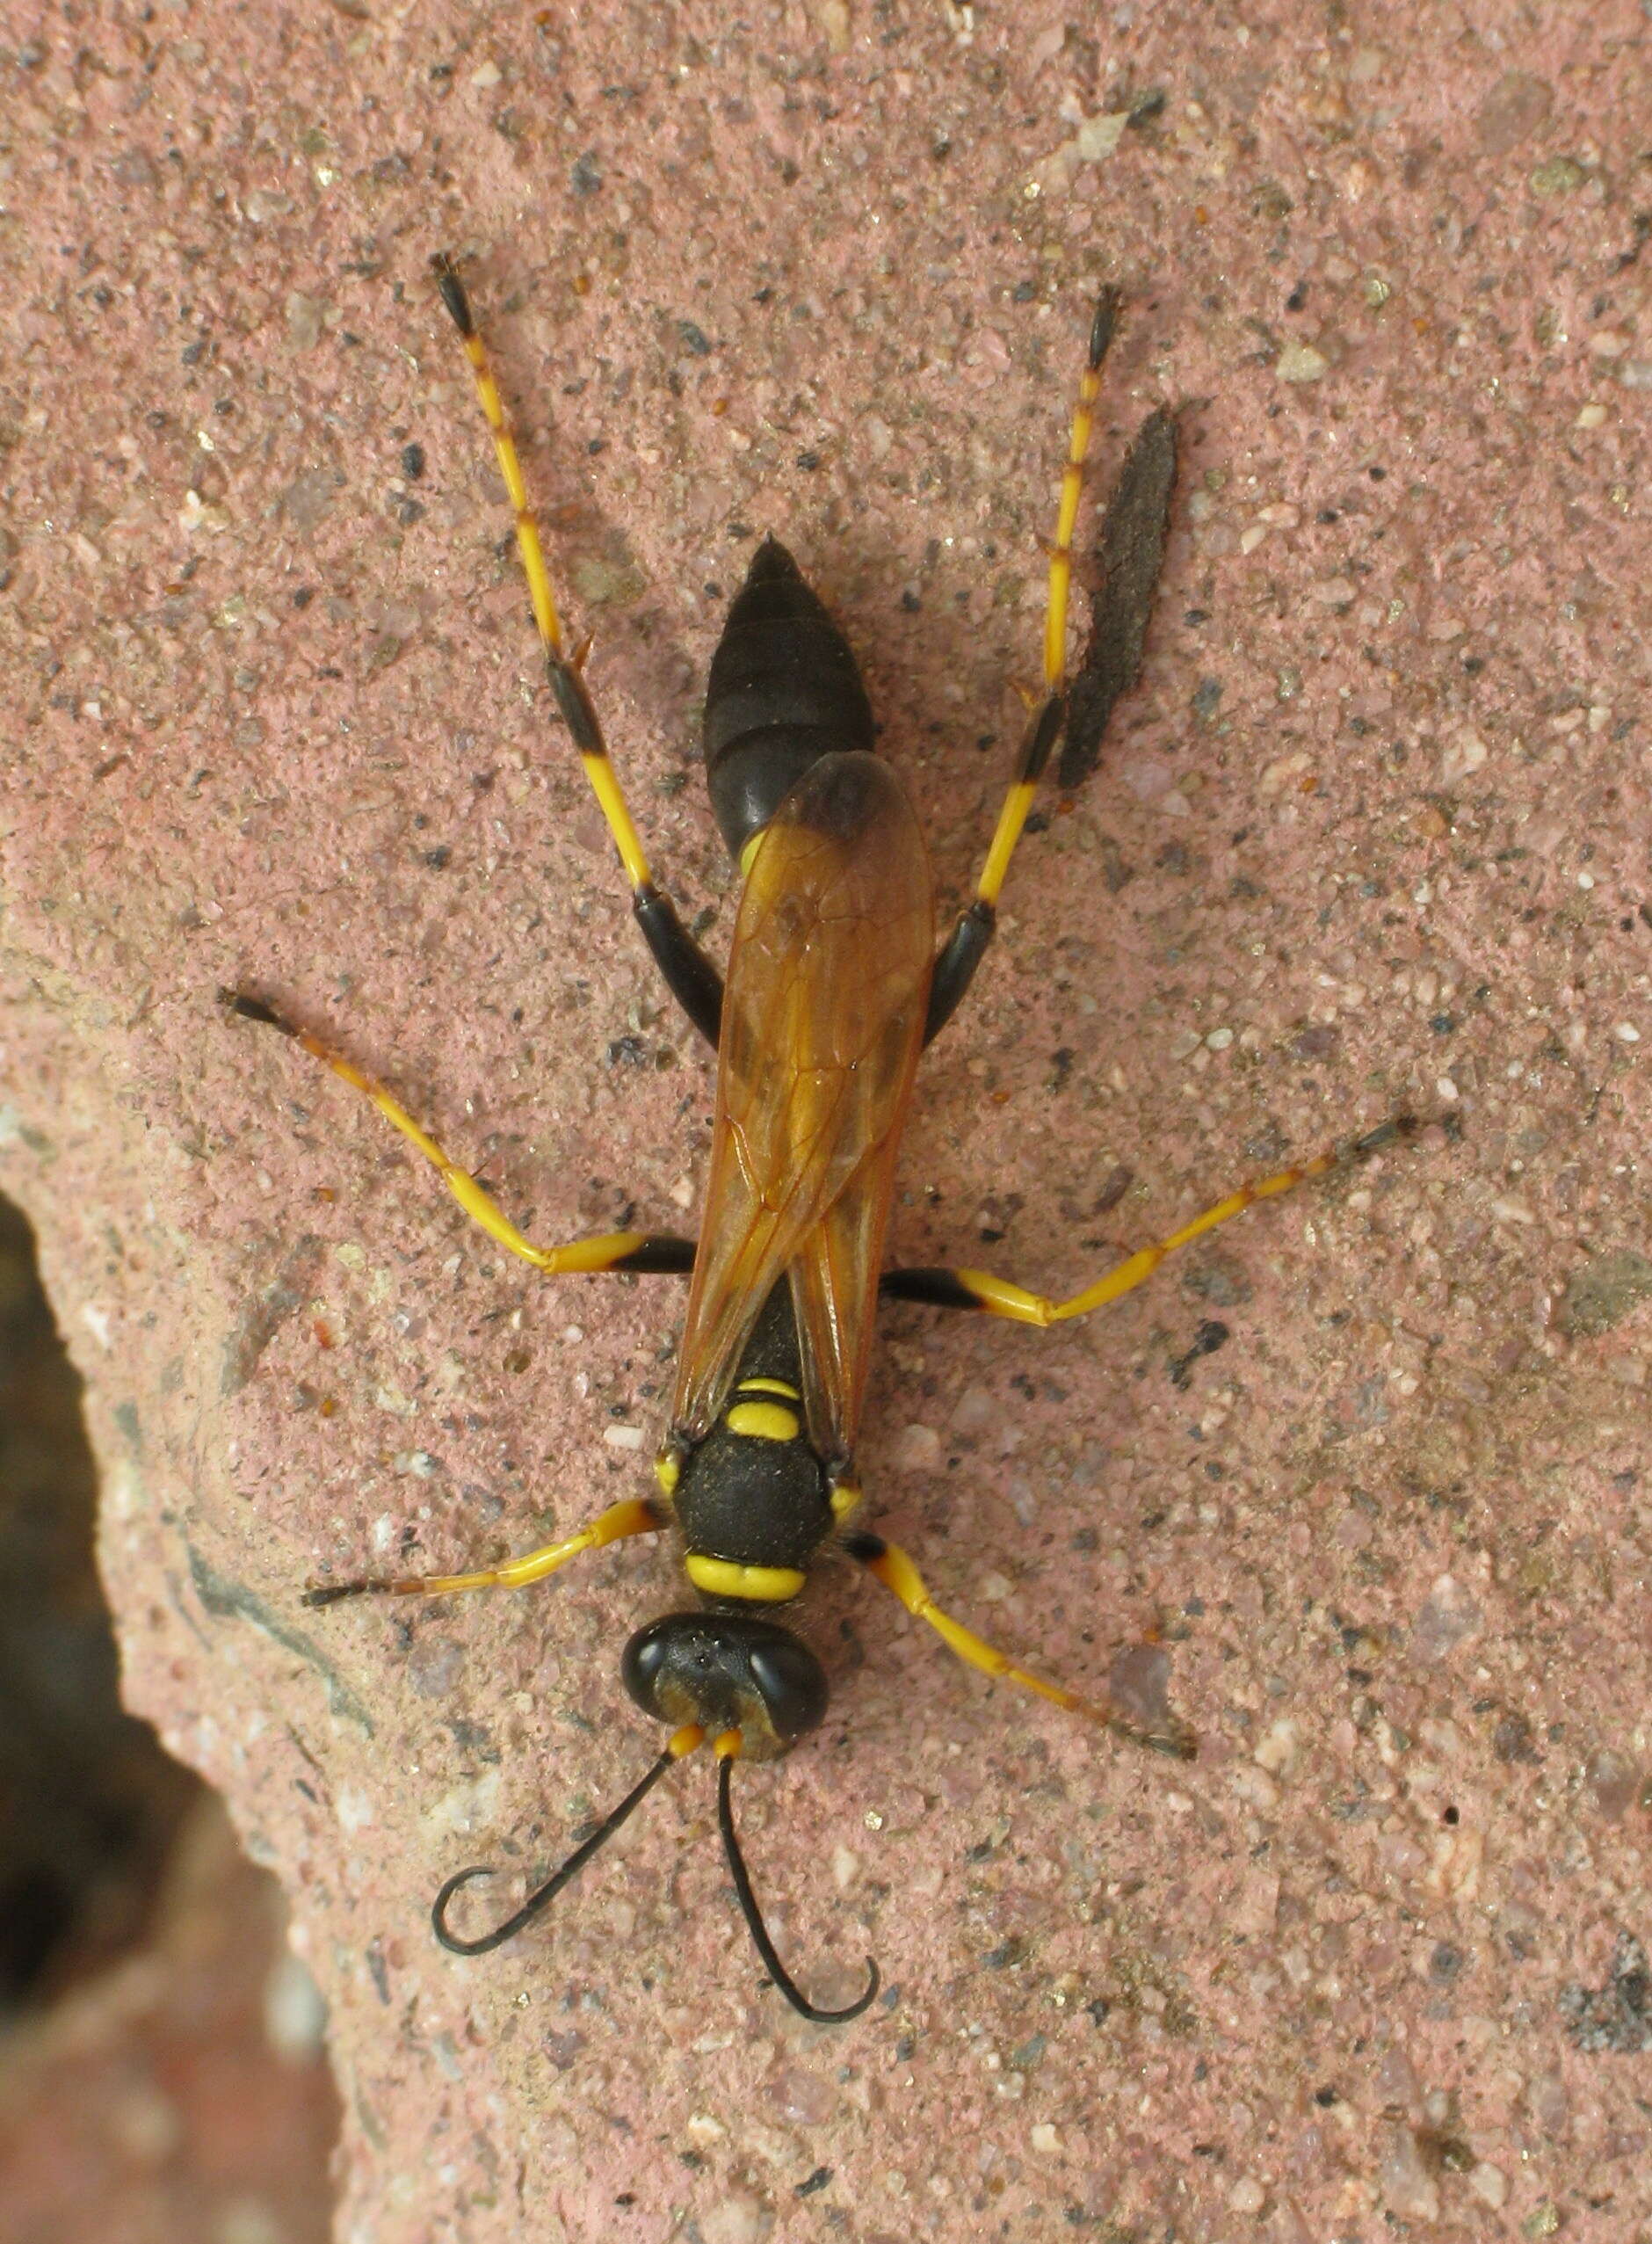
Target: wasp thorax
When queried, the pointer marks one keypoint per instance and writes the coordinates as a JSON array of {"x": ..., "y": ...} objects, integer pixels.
[{"x": 728, "y": 1671}]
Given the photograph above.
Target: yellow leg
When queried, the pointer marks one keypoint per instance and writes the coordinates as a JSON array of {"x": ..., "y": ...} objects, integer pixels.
[
  {"x": 689, "y": 974},
  {"x": 636, "y": 1515},
  {"x": 635, "y": 1251},
  {"x": 980, "y": 1290},
  {"x": 966, "y": 946},
  {"x": 1046, "y": 726},
  {"x": 565, "y": 681},
  {"x": 896, "y": 1570}
]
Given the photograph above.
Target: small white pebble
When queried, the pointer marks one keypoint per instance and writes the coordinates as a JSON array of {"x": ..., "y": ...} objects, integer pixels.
[
  {"x": 845, "y": 1868},
  {"x": 1586, "y": 880},
  {"x": 1590, "y": 417},
  {"x": 1250, "y": 539},
  {"x": 1097, "y": 136},
  {"x": 1608, "y": 342},
  {"x": 485, "y": 75},
  {"x": 1045, "y": 2138},
  {"x": 1489, "y": 2184},
  {"x": 1218, "y": 1039},
  {"x": 917, "y": 1448},
  {"x": 1446, "y": 1089},
  {"x": 573, "y": 1335},
  {"x": 1277, "y": 1751},
  {"x": 1626, "y": 1033},
  {"x": 1254, "y": 1786},
  {"x": 1466, "y": 754},
  {"x": 624, "y": 1437},
  {"x": 1300, "y": 362},
  {"x": 295, "y": 2011},
  {"x": 1247, "y": 2195}
]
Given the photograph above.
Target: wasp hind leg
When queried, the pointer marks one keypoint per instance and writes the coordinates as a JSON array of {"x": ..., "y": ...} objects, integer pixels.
[
  {"x": 637, "y": 1252},
  {"x": 689, "y": 975},
  {"x": 943, "y": 1289},
  {"x": 966, "y": 946},
  {"x": 636, "y": 1515}
]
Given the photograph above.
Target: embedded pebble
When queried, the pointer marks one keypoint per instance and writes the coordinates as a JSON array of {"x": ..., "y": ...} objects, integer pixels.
[
  {"x": 739, "y": 2220},
  {"x": 917, "y": 1448},
  {"x": 1615, "y": 1781},
  {"x": 801, "y": 2097},
  {"x": 1277, "y": 1751},
  {"x": 1447, "y": 1617},
  {"x": 1140, "y": 1683},
  {"x": 304, "y": 320},
  {"x": 1603, "y": 1292},
  {"x": 1465, "y": 753},
  {"x": 977, "y": 1408},
  {"x": 1409, "y": 2191},
  {"x": 1489, "y": 2184},
  {"x": 1301, "y": 362},
  {"x": 295, "y": 2011}
]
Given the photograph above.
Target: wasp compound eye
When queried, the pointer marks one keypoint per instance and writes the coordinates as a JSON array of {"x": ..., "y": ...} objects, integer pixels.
[{"x": 728, "y": 1671}]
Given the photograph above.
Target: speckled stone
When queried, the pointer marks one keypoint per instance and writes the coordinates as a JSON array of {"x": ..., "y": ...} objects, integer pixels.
[{"x": 274, "y": 719}]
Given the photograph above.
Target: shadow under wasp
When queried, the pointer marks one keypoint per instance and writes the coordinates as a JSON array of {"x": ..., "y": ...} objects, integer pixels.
[{"x": 835, "y": 986}]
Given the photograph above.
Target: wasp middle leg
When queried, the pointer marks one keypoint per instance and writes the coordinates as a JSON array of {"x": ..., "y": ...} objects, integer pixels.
[
  {"x": 640, "y": 1252},
  {"x": 944, "y": 1288}
]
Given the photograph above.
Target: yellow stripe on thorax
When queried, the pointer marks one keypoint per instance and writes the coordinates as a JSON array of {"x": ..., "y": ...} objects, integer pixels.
[{"x": 723, "y": 1578}]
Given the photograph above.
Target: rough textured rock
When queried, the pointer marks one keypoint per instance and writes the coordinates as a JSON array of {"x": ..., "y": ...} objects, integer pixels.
[{"x": 273, "y": 718}]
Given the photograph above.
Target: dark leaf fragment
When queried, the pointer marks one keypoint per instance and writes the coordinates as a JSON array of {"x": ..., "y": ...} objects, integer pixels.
[{"x": 1131, "y": 553}]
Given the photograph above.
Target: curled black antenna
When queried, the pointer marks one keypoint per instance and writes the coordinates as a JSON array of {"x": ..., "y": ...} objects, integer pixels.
[
  {"x": 553, "y": 1886},
  {"x": 759, "y": 1931}
]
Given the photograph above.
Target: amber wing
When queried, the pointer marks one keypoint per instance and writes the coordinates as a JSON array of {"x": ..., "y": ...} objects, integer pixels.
[{"x": 822, "y": 1024}]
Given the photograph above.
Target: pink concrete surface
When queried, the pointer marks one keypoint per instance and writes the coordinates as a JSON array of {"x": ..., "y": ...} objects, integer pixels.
[{"x": 1372, "y": 835}]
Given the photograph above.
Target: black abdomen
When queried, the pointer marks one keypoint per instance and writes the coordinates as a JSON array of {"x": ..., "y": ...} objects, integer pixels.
[{"x": 784, "y": 689}]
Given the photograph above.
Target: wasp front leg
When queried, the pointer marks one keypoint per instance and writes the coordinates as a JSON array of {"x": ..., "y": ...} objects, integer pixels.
[{"x": 636, "y": 1515}]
